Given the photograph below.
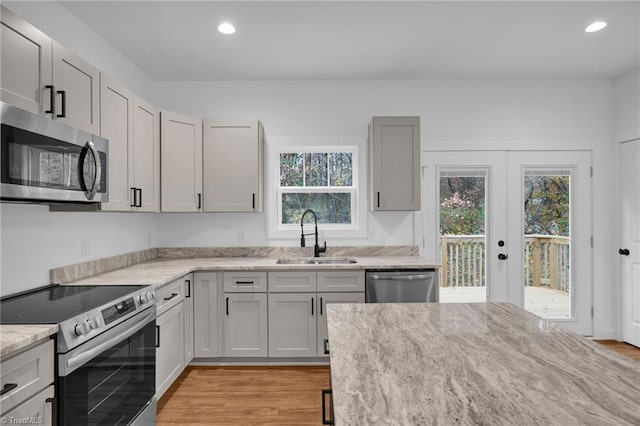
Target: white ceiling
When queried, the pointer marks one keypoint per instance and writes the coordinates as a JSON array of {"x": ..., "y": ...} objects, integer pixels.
[{"x": 311, "y": 40}]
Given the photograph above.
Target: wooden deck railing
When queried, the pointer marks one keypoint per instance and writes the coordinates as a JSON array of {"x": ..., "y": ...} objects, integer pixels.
[{"x": 546, "y": 261}]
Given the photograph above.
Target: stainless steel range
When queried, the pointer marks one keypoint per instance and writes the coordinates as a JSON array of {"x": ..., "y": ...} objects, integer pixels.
[{"x": 105, "y": 349}]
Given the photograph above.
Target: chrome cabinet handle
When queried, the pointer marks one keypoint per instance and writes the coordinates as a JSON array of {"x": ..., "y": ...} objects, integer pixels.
[{"x": 400, "y": 277}]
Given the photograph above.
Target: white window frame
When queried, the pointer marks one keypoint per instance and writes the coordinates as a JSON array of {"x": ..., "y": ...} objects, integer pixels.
[{"x": 353, "y": 189}]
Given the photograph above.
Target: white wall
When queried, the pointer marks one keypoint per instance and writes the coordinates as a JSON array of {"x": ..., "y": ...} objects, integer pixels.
[
  {"x": 626, "y": 112},
  {"x": 35, "y": 240}
]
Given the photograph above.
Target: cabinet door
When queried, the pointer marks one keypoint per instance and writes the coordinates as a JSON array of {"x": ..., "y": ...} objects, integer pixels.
[
  {"x": 245, "y": 325},
  {"x": 394, "y": 163},
  {"x": 170, "y": 352},
  {"x": 25, "y": 65},
  {"x": 205, "y": 301},
  {"x": 188, "y": 319},
  {"x": 77, "y": 85},
  {"x": 116, "y": 124},
  {"x": 323, "y": 300},
  {"x": 335, "y": 281},
  {"x": 38, "y": 409},
  {"x": 233, "y": 155},
  {"x": 146, "y": 156},
  {"x": 181, "y": 163},
  {"x": 292, "y": 325}
]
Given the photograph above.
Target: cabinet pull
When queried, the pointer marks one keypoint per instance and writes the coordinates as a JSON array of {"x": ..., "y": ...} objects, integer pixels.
[
  {"x": 188, "y": 288},
  {"x": 378, "y": 198},
  {"x": 312, "y": 306},
  {"x": 227, "y": 303},
  {"x": 139, "y": 190},
  {"x": 244, "y": 282},
  {"x": 325, "y": 344},
  {"x": 54, "y": 410},
  {"x": 171, "y": 297},
  {"x": 253, "y": 201},
  {"x": 133, "y": 197},
  {"x": 199, "y": 200},
  {"x": 63, "y": 103},
  {"x": 157, "y": 336},
  {"x": 52, "y": 100},
  {"x": 321, "y": 306},
  {"x": 8, "y": 387},
  {"x": 325, "y": 420}
]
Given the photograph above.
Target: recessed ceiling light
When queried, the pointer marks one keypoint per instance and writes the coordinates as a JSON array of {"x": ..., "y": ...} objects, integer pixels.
[
  {"x": 595, "y": 26},
  {"x": 226, "y": 28}
]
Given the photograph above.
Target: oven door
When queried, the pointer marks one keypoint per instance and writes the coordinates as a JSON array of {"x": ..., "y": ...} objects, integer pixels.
[{"x": 110, "y": 380}]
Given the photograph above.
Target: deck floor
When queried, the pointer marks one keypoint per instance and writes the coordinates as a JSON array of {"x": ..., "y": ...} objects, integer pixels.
[{"x": 542, "y": 301}]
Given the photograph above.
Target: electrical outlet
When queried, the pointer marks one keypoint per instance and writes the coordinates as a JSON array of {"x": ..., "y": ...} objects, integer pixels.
[
  {"x": 85, "y": 247},
  {"x": 242, "y": 236}
]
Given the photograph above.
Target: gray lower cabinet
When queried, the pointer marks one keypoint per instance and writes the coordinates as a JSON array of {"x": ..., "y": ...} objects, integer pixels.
[
  {"x": 292, "y": 324},
  {"x": 188, "y": 319},
  {"x": 205, "y": 307},
  {"x": 170, "y": 346},
  {"x": 245, "y": 325},
  {"x": 27, "y": 385},
  {"x": 323, "y": 300}
]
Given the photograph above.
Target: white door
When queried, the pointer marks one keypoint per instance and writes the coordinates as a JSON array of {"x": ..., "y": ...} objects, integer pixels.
[
  {"x": 292, "y": 324},
  {"x": 245, "y": 324},
  {"x": 512, "y": 226},
  {"x": 630, "y": 240}
]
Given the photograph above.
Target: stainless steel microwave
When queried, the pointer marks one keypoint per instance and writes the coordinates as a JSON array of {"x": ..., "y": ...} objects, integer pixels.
[{"x": 42, "y": 160}]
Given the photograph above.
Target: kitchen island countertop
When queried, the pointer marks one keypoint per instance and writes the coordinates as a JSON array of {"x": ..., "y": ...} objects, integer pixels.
[{"x": 466, "y": 363}]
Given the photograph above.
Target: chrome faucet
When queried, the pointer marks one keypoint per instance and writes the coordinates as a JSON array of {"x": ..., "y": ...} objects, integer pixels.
[{"x": 316, "y": 248}]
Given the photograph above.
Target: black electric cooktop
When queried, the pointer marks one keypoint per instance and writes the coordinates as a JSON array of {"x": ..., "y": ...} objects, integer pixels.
[{"x": 56, "y": 303}]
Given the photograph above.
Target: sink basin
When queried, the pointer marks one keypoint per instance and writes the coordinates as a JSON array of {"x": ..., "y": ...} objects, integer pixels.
[
  {"x": 294, "y": 261},
  {"x": 317, "y": 261}
]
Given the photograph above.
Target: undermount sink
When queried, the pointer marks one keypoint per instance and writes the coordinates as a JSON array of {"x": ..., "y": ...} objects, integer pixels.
[{"x": 317, "y": 261}]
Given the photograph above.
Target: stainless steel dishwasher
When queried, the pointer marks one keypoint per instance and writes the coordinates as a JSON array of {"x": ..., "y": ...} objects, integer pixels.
[{"x": 401, "y": 286}]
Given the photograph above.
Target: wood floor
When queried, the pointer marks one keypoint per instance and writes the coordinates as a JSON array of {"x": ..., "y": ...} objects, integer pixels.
[{"x": 261, "y": 395}]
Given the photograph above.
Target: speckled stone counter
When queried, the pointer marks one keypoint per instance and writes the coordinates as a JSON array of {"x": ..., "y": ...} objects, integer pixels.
[
  {"x": 162, "y": 271},
  {"x": 494, "y": 363},
  {"x": 16, "y": 337}
]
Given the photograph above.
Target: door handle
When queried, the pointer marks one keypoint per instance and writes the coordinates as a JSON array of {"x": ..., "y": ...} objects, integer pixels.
[
  {"x": 624, "y": 252},
  {"x": 52, "y": 100},
  {"x": 63, "y": 103},
  {"x": 503, "y": 256}
]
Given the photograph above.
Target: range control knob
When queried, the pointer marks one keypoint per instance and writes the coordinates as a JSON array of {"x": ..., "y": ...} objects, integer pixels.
[
  {"x": 144, "y": 298},
  {"x": 82, "y": 328},
  {"x": 93, "y": 323}
]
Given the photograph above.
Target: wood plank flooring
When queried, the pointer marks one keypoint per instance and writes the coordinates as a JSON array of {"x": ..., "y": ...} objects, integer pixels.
[
  {"x": 245, "y": 396},
  {"x": 262, "y": 395}
]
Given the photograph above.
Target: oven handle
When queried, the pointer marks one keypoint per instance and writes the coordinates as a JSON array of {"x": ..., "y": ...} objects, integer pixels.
[{"x": 83, "y": 357}]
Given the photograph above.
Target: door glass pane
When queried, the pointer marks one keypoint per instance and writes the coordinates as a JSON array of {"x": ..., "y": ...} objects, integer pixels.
[
  {"x": 462, "y": 211},
  {"x": 547, "y": 248}
]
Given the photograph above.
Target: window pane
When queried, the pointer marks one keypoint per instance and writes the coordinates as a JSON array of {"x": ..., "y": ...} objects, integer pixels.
[
  {"x": 315, "y": 165},
  {"x": 330, "y": 207},
  {"x": 291, "y": 169},
  {"x": 340, "y": 169}
]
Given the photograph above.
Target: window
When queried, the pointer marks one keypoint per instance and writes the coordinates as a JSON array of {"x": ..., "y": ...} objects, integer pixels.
[{"x": 321, "y": 179}]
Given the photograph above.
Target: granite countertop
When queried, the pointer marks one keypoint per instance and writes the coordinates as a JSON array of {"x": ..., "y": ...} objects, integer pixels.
[
  {"x": 162, "y": 271},
  {"x": 494, "y": 363},
  {"x": 16, "y": 337}
]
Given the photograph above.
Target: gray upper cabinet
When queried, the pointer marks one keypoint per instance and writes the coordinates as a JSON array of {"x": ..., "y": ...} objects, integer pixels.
[
  {"x": 233, "y": 156},
  {"x": 41, "y": 76},
  {"x": 181, "y": 163},
  {"x": 25, "y": 64},
  {"x": 394, "y": 163},
  {"x": 133, "y": 129}
]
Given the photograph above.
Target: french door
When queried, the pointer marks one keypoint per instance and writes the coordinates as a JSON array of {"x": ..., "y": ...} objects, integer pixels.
[
  {"x": 512, "y": 226},
  {"x": 630, "y": 240}
]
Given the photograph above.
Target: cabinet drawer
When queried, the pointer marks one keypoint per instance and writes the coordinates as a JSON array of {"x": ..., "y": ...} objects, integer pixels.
[
  {"x": 292, "y": 281},
  {"x": 39, "y": 409},
  {"x": 336, "y": 281},
  {"x": 170, "y": 295},
  {"x": 245, "y": 282},
  {"x": 26, "y": 374}
]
